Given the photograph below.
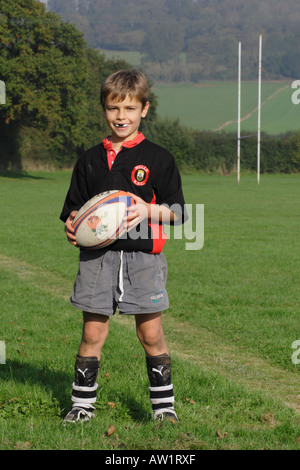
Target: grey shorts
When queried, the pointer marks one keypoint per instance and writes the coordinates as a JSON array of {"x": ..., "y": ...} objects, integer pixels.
[{"x": 133, "y": 282}]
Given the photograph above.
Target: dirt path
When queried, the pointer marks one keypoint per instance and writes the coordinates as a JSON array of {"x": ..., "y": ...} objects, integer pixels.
[{"x": 226, "y": 124}]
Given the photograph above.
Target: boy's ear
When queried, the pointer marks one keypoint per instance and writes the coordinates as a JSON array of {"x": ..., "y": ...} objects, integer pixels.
[{"x": 145, "y": 109}]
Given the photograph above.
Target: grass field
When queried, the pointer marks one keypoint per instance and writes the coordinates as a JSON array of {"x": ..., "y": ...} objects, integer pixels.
[
  {"x": 213, "y": 106},
  {"x": 131, "y": 57},
  {"x": 233, "y": 318}
]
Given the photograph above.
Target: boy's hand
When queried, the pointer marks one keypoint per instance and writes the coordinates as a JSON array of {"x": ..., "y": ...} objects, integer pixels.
[
  {"x": 69, "y": 229},
  {"x": 142, "y": 210},
  {"x": 137, "y": 212}
]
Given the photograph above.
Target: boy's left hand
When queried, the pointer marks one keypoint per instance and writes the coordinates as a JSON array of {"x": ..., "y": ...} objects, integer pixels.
[{"x": 137, "y": 212}]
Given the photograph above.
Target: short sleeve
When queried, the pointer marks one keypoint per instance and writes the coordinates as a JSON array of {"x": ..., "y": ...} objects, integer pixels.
[{"x": 168, "y": 189}]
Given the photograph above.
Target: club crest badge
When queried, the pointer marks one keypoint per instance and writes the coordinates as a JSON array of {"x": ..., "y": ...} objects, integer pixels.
[{"x": 140, "y": 175}]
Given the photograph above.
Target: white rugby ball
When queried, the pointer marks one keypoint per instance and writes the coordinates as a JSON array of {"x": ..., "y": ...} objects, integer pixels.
[{"x": 99, "y": 222}]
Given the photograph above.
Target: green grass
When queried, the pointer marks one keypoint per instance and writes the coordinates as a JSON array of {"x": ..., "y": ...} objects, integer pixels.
[
  {"x": 211, "y": 105},
  {"x": 233, "y": 317},
  {"x": 131, "y": 57}
]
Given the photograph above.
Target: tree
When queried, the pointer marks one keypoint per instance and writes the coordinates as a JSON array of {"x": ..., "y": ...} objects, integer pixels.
[
  {"x": 162, "y": 42},
  {"x": 42, "y": 63},
  {"x": 52, "y": 111}
]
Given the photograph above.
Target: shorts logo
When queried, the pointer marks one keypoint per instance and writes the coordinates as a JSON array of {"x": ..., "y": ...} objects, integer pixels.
[
  {"x": 140, "y": 175},
  {"x": 158, "y": 297}
]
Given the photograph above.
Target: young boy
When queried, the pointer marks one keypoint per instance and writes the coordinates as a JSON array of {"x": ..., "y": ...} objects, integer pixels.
[{"x": 131, "y": 273}]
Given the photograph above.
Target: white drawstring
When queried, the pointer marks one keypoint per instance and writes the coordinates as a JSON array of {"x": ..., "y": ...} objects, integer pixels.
[{"x": 121, "y": 286}]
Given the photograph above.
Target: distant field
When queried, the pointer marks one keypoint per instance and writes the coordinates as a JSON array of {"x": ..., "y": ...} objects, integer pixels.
[
  {"x": 213, "y": 106},
  {"x": 131, "y": 57}
]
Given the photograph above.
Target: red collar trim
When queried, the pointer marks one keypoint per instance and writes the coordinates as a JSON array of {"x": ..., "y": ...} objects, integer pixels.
[{"x": 107, "y": 143}]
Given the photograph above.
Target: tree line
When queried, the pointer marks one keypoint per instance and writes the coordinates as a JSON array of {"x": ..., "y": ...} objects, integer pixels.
[
  {"x": 193, "y": 40},
  {"x": 209, "y": 152},
  {"x": 53, "y": 112}
]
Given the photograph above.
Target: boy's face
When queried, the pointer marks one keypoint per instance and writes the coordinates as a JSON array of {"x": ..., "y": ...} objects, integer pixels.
[{"x": 124, "y": 117}]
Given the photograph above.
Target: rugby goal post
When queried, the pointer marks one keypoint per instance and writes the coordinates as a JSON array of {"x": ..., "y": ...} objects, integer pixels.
[{"x": 239, "y": 113}]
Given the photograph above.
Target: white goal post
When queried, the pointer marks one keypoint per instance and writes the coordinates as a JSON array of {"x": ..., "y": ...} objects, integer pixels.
[{"x": 239, "y": 113}]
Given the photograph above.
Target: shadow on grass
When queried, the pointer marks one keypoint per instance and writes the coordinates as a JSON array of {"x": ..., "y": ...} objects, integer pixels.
[
  {"x": 58, "y": 384},
  {"x": 137, "y": 411},
  {"x": 20, "y": 175}
]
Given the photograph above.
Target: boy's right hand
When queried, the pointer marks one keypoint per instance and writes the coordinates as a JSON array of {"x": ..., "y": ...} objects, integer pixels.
[{"x": 69, "y": 229}]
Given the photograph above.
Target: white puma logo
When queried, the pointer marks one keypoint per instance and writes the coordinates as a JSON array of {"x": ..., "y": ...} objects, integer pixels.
[
  {"x": 83, "y": 371},
  {"x": 156, "y": 370}
]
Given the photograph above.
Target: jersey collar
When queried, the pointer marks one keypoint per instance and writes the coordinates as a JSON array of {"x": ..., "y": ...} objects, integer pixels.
[{"x": 107, "y": 143}]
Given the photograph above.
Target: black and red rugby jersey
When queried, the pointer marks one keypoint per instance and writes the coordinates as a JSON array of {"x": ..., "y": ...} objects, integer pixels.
[{"x": 145, "y": 169}]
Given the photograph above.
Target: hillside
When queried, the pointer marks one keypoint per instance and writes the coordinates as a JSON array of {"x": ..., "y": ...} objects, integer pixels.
[
  {"x": 192, "y": 40},
  {"x": 212, "y": 106}
]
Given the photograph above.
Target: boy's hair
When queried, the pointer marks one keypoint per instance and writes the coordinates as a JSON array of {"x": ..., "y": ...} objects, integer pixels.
[{"x": 123, "y": 83}]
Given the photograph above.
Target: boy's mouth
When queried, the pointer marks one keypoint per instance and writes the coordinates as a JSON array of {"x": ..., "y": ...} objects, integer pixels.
[{"x": 121, "y": 125}]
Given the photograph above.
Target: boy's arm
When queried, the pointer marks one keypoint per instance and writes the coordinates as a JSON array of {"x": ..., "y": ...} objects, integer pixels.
[
  {"x": 142, "y": 210},
  {"x": 167, "y": 188},
  {"x": 69, "y": 229}
]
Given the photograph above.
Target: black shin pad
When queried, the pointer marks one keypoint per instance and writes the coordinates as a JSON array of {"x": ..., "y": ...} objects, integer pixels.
[
  {"x": 161, "y": 387},
  {"x": 84, "y": 392}
]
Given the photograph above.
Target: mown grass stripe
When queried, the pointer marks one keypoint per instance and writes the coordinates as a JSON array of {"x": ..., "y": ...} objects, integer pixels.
[{"x": 40, "y": 278}]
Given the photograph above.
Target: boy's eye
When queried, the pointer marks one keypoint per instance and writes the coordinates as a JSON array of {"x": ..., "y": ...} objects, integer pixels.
[{"x": 114, "y": 108}]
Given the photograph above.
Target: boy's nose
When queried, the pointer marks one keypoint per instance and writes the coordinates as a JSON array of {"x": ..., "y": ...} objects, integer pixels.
[{"x": 122, "y": 114}]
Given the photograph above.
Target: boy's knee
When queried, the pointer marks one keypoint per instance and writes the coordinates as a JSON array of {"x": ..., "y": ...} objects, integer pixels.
[
  {"x": 90, "y": 338},
  {"x": 95, "y": 333},
  {"x": 150, "y": 337}
]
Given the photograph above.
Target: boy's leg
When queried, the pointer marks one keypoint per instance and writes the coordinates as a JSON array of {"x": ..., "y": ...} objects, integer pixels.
[
  {"x": 151, "y": 336},
  {"x": 84, "y": 388},
  {"x": 150, "y": 333},
  {"x": 94, "y": 334}
]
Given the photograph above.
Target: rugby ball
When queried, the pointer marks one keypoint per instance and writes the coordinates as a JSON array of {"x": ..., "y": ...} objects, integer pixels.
[{"x": 99, "y": 222}]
